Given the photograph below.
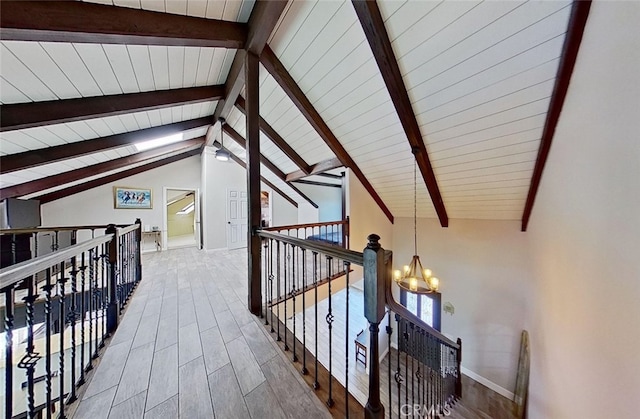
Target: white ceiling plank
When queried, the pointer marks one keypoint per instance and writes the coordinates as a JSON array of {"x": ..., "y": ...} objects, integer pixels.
[
  {"x": 214, "y": 9},
  {"x": 10, "y": 94},
  {"x": 141, "y": 61},
  {"x": 231, "y": 10},
  {"x": 40, "y": 63},
  {"x": 21, "y": 77},
  {"x": 204, "y": 64},
  {"x": 82, "y": 129},
  {"x": 166, "y": 116},
  {"x": 129, "y": 122},
  {"x": 64, "y": 132},
  {"x": 70, "y": 62},
  {"x": 99, "y": 126},
  {"x": 142, "y": 120},
  {"x": 176, "y": 7},
  {"x": 191, "y": 57},
  {"x": 155, "y": 117},
  {"x": 176, "y": 67},
  {"x": 153, "y": 5},
  {"x": 115, "y": 124},
  {"x": 215, "y": 66},
  {"x": 9, "y": 147},
  {"x": 293, "y": 18},
  {"x": 94, "y": 58},
  {"x": 196, "y": 8},
  {"x": 226, "y": 65},
  {"x": 133, "y": 4},
  {"x": 118, "y": 57},
  {"x": 160, "y": 66}
]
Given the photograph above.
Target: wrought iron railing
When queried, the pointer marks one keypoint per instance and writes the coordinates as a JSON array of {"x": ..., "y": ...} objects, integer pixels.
[
  {"x": 424, "y": 365},
  {"x": 331, "y": 232},
  {"x": 58, "y": 310}
]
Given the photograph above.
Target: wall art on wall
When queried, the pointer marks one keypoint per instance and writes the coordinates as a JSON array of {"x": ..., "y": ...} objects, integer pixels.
[{"x": 125, "y": 197}]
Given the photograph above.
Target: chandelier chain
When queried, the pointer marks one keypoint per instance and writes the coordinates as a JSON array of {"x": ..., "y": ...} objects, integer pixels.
[{"x": 415, "y": 210}]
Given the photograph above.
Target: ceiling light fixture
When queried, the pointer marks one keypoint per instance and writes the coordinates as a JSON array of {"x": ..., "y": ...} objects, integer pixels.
[
  {"x": 413, "y": 277},
  {"x": 222, "y": 154},
  {"x": 158, "y": 142}
]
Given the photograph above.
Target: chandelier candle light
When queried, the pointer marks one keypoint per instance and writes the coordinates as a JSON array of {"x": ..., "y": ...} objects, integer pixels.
[{"x": 413, "y": 277}]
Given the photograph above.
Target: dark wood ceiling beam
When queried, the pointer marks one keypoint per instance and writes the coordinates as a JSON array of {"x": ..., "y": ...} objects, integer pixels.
[
  {"x": 575, "y": 30},
  {"x": 314, "y": 183},
  {"x": 235, "y": 135},
  {"x": 290, "y": 87},
  {"x": 262, "y": 178},
  {"x": 263, "y": 19},
  {"x": 27, "y": 115},
  {"x": 28, "y": 159},
  {"x": 48, "y": 182},
  {"x": 277, "y": 140},
  {"x": 63, "y": 193},
  {"x": 316, "y": 169},
  {"x": 67, "y": 21},
  {"x": 373, "y": 25}
]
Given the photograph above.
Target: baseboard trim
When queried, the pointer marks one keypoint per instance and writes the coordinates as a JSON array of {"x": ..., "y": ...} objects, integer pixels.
[{"x": 488, "y": 383}]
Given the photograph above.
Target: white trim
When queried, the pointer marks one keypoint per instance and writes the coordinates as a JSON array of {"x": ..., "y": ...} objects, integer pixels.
[{"x": 490, "y": 384}]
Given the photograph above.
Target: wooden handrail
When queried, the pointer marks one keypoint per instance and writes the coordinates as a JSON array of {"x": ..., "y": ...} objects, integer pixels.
[
  {"x": 16, "y": 273},
  {"x": 316, "y": 246},
  {"x": 61, "y": 228}
]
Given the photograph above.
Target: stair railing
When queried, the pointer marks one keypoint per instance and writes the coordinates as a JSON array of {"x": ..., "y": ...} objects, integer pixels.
[
  {"x": 431, "y": 360},
  {"x": 58, "y": 310}
]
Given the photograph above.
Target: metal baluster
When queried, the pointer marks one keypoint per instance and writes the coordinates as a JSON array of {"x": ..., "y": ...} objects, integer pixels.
[
  {"x": 389, "y": 333},
  {"x": 71, "y": 319},
  {"x": 271, "y": 281},
  {"x": 304, "y": 370},
  {"x": 329, "y": 320},
  {"x": 9, "y": 307},
  {"x": 347, "y": 266},
  {"x": 278, "y": 287},
  {"x": 287, "y": 257},
  {"x": 266, "y": 281},
  {"x": 294, "y": 279},
  {"x": 316, "y": 383},
  {"x": 406, "y": 362},
  {"x": 48, "y": 308},
  {"x": 30, "y": 358},
  {"x": 61, "y": 297},
  {"x": 398, "y": 374},
  {"x": 104, "y": 295},
  {"x": 90, "y": 304},
  {"x": 412, "y": 341}
]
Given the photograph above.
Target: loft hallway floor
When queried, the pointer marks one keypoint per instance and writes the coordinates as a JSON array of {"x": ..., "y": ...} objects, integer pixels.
[{"x": 187, "y": 347}]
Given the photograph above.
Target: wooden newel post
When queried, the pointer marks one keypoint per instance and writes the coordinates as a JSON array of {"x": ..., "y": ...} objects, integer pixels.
[
  {"x": 374, "y": 311},
  {"x": 458, "y": 362},
  {"x": 112, "y": 308},
  {"x": 139, "y": 250}
]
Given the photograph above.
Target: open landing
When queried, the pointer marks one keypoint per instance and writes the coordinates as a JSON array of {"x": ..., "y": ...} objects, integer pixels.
[{"x": 187, "y": 347}]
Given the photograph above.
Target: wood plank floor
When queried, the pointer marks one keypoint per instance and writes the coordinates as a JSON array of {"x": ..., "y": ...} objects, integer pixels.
[{"x": 188, "y": 348}]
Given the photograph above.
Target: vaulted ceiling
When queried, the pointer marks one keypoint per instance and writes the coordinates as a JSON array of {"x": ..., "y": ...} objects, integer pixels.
[{"x": 471, "y": 91}]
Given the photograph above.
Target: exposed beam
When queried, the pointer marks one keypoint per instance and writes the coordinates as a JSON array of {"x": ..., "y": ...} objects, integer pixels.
[
  {"x": 572, "y": 40},
  {"x": 278, "y": 140},
  {"x": 314, "y": 183},
  {"x": 373, "y": 25},
  {"x": 67, "y": 21},
  {"x": 63, "y": 193},
  {"x": 262, "y": 21},
  {"x": 286, "y": 82},
  {"x": 235, "y": 135},
  {"x": 262, "y": 178},
  {"x": 242, "y": 143},
  {"x": 316, "y": 169},
  {"x": 27, "y": 115},
  {"x": 48, "y": 182},
  {"x": 20, "y": 161}
]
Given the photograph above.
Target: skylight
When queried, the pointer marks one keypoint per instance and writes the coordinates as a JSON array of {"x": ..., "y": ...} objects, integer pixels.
[
  {"x": 158, "y": 142},
  {"x": 186, "y": 210}
]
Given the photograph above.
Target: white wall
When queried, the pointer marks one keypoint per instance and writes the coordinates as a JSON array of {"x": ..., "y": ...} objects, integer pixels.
[
  {"x": 483, "y": 267},
  {"x": 585, "y": 234},
  {"x": 328, "y": 199},
  {"x": 95, "y": 206},
  {"x": 365, "y": 216},
  {"x": 282, "y": 212},
  {"x": 217, "y": 178}
]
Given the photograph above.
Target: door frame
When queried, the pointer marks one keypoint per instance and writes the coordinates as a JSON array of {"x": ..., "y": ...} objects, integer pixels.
[{"x": 197, "y": 230}]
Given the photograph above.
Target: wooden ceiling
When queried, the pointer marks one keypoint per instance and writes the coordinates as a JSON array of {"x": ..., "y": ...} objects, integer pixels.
[{"x": 473, "y": 89}]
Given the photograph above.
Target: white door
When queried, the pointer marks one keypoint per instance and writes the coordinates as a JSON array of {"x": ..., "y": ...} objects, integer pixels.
[
  {"x": 236, "y": 219},
  {"x": 197, "y": 226}
]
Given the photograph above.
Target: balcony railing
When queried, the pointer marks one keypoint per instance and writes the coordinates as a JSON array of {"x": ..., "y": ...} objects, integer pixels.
[
  {"x": 422, "y": 370},
  {"x": 58, "y": 310}
]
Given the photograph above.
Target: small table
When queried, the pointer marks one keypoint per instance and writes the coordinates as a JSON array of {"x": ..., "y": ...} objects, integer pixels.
[
  {"x": 157, "y": 237},
  {"x": 361, "y": 347}
]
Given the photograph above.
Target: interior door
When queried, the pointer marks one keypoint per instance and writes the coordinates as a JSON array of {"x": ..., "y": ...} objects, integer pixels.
[{"x": 236, "y": 219}]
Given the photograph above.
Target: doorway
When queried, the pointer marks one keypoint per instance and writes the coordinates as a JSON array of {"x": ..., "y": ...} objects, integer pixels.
[{"x": 182, "y": 218}]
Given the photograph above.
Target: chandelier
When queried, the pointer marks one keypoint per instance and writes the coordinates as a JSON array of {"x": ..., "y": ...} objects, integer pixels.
[{"x": 413, "y": 277}]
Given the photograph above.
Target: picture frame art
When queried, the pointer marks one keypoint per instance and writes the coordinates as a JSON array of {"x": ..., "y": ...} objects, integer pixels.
[{"x": 132, "y": 198}]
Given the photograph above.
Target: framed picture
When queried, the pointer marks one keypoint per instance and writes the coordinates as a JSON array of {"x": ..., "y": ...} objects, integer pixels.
[{"x": 138, "y": 198}]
